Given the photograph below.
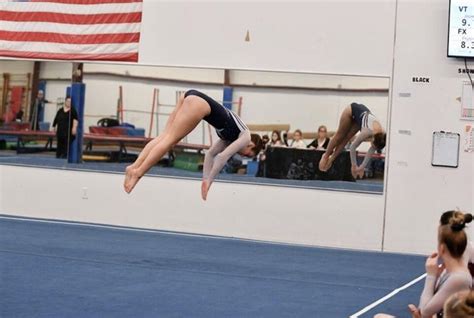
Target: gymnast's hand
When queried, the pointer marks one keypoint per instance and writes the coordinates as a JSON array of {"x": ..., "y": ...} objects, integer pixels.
[
  {"x": 415, "y": 311},
  {"x": 354, "y": 171},
  {"x": 357, "y": 172},
  {"x": 432, "y": 267},
  {"x": 205, "y": 185},
  {"x": 360, "y": 172}
]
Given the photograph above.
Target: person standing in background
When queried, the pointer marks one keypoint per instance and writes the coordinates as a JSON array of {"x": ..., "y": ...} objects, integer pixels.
[
  {"x": 37, "y": 109},
  {"x": 65, "y": 125}
]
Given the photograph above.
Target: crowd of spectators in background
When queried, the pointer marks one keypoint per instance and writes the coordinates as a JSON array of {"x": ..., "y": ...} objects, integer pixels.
[
  {"x": 281, "y": 140},
  {"x": 296, "y": 140}
]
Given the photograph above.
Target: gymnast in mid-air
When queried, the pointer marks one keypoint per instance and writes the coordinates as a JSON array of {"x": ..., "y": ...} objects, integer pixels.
[
  {"x": 354, "y": 118},
  {"x": 194, "y": 106}
]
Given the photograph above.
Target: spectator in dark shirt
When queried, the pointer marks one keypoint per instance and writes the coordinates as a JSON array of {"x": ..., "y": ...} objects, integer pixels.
[
  {"x": 262, "y": 156},
  {"x": 65, "y": 125},
  {"x": 265, "y": 140},
  {"x": 322, "y": 142}
]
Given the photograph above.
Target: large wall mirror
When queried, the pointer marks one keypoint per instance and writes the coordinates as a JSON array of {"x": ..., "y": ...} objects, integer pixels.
[{"x": 125, "y": 105}]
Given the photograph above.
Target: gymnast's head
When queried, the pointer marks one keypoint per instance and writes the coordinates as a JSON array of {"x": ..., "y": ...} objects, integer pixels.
[
  {"x": 452, "y": 239},
  {"x": 254, "y": 146},
  {"x": 379, "y": 141},
  {"x": 460, "y": 305}
]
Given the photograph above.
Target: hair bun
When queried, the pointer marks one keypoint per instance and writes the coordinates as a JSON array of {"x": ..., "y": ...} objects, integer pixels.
[
  {"x": 458, "y": 226},
  {"x": 467, "y": 218}
]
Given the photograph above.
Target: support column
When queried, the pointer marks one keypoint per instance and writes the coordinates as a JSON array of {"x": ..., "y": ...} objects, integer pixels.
[{"x": 78, "y": 94}]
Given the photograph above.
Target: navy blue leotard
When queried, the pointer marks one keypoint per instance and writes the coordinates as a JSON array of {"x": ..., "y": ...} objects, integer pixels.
[{"x": 227, "y": 124}]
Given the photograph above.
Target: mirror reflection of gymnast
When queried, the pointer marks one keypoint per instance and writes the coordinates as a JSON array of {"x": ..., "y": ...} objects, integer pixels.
[
  {"x": 194, "y": 106},
  {"x": 354, "y": 118}
]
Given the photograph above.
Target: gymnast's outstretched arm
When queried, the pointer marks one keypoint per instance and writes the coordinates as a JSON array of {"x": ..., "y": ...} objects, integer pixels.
[
  {"x": 217, "y": 156},
  {"x": 363, "y": 136},
  {"x": 216, "y": 148}
]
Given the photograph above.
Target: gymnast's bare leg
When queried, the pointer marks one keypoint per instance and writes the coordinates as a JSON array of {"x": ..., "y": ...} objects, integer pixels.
[
  {"x": 186, "y": 116},
  {"x": 337, "y": 141}
]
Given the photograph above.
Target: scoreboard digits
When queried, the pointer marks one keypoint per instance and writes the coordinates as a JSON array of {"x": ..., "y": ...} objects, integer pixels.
[{"x": 461, "y": 28}]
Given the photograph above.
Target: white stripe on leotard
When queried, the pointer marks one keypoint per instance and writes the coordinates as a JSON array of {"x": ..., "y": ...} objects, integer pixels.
[
  {"x": 238, "y": 122},
  {"x": 368, "y": 121}
]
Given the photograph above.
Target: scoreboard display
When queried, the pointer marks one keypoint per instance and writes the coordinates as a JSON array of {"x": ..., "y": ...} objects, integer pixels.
[{"x": 461, "y": 28}]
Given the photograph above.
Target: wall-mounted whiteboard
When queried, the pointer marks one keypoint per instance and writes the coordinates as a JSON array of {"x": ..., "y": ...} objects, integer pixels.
[{"x": 445, "y": 149}]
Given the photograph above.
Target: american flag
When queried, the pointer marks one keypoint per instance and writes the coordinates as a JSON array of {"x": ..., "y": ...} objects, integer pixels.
[{"x": 71, "y": 29}]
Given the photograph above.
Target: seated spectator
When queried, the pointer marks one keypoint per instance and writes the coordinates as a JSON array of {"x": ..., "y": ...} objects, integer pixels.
[
  {"x": 322, "y": 141},
  {"x": 276, "y": 139},
  {"x": 262, "y": 156},
  {"x": 285, "y": 139},
  {"x": 452, "y": 275},
  {"x": 298, "y": 140},
  {"x": 460, "y": 305},
  {"x": 265, "y": 140}
]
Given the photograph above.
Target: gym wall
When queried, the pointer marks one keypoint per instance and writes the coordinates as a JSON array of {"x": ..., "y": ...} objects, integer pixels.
[
  {"x": 417, "y": 193},
  {"x": 361, "y": 41}
]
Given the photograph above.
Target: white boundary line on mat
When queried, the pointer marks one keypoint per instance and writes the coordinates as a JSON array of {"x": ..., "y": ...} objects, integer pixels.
[{"x": 386, "y": 297}]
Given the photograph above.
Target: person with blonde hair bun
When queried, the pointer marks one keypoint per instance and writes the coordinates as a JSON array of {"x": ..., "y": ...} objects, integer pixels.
[{"x": 460, "y": 305}]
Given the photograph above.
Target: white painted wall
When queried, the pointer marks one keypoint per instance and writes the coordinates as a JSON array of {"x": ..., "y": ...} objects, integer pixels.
[
  {"x": 56, "y": 70},
  {"x": 308, "y": 80},
  {"x": 325, "y": 36},
  {"x": 193, "y": 74},
  {"x": 417, "y": 193},
  {"x": 305, "y": 110},
  {"x": 235, "y": 210},
  {"x": 16, "y": 67}
]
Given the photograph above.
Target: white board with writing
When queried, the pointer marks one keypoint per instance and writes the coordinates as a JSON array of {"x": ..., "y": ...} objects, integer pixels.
[{"x": 445, "y": 149}]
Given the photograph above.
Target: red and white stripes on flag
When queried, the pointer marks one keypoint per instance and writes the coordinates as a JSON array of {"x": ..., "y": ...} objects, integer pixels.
[{"x": 107, "y": 30}]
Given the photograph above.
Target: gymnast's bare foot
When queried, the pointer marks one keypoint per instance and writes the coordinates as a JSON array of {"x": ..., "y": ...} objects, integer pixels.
[
  {"x": 323, "y": 163},
  {"x": 131, "y": 179},
  {"x": 128, "y": 170}
]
